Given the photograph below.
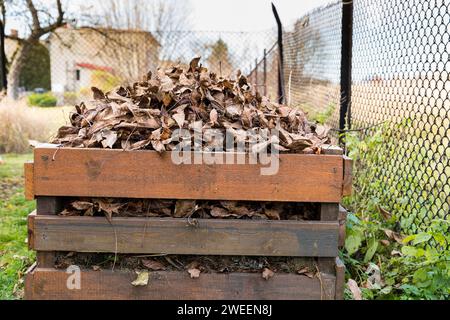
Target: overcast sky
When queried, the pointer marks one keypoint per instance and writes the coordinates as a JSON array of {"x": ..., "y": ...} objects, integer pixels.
[
  {"x": 227, "y": 15},
  {"x": 245, "y": 15}
]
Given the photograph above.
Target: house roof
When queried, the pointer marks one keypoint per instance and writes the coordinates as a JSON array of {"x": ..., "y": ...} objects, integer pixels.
[
  {"x": 91, "y": 66},
  {"x": 110, "y": 31}
]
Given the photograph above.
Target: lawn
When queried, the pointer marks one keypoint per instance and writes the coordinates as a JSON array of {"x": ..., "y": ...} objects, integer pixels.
[{"x": 14, "y": 255}]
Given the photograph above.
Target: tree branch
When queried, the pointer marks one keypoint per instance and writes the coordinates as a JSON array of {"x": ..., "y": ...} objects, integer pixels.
[
  {"x": 38, "y": 30},
  {"x": 34, "y": 15}
]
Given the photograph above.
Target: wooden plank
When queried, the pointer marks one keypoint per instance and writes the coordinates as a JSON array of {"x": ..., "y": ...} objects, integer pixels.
[
  {"x": 348, "y": 177},
  {"x": 340, "y": 279},
  {"x": 342, "y": 226},
  {"x": 49, "y": 205},
  {"x": 329, "y": 211},
  {"x": 330, "y": 149},
  {"x": 177, "y": 236},
  {"x": 29, "y": 180},
  {"x": 30, "y": 226},
  {"x": 51, "y": 284},
  {"x": 147, "y": 174},
  {"x": 45, "y": 259}
]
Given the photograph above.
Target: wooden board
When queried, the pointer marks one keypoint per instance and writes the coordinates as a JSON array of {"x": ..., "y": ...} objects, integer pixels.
[
  {"x": 348, "y": 177},
  {"x": 29, "y": 181},
  {"x": 340, "y": 279},
  {"x": 147, "y": 174},
  {"x": 177, "y": 236},
  {"x": 51, "y": 284}
]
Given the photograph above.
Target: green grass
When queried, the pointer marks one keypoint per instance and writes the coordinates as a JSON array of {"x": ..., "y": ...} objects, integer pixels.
[{"x": 14, "y": 255}]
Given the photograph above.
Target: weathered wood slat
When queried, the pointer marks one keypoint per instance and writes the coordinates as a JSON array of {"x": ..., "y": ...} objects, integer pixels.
[
  {"x": 340, "y": 279},
  {"x": 29, "y": 180},
  {"x": 51, "y": 284},
  {"x": 348, "y": 176},
  {"x": 177, "y": 236},
  {"x": 146, "y": 174}
]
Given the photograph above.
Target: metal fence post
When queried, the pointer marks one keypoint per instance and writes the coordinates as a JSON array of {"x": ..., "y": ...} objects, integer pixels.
[
  {"x": 265, "y": 72},
  {"x": 256, "y": 75},
  {"x": 3, "y": 79},
  {"x": 346, "y": 67},
  {"x": 281, "y": 95}
]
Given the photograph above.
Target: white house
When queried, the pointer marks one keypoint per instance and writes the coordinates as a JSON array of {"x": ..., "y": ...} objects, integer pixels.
[{"x": 75, "y": 53}]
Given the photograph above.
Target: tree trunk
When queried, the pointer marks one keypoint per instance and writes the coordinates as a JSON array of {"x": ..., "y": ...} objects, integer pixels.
[{"x": 16, "y": 69}]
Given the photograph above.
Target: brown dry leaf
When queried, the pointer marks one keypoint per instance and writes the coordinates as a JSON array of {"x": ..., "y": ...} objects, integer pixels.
[
  {"x": 184, "y": 208},
  {"x": 128, "y": 116},
  {"x": 213, "y": 116},
  {"x": 394, "y": 236},
  {"x": 153, "y": 265},
  {"x": 82, "y": 205},
  {"x": 110, "y": 138},
  {"x": 194, "y": 273},
  {"x": 218, "y": 212},
  {"x": 386, "y": 214},
  {"x": 355, "y": 290},
  {"x": 267, "y": 273},
  {"x": 179, "y": 118},
  {"x": 142, "y": 279},
  {"x": 273, "y": 214},
  {"x": 98, "y": 94}
]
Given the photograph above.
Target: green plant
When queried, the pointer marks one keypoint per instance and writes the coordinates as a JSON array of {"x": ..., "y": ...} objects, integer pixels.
[
  {"x": 42, "y": 100},
  {"x": 384, "y": 263},
  {"x": 324, "y": 116}
]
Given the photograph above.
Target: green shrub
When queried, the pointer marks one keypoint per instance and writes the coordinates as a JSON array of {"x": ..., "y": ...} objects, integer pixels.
[
  {"x": 70, "y": 98},
  {"x": 385, "y": 256},
  {"x": 42, "y": 100}
]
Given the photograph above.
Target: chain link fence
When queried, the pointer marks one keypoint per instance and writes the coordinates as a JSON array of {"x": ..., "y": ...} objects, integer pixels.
[
  {"x": 72, "y": 60},
  {"x": 399, "y": 69},
  {"x": 400, "y": 85},
  {"x": 401, "y": 76}
]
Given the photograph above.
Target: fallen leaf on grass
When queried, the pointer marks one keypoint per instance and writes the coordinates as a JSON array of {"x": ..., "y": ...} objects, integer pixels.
[
  {"x": 142, "y": 279},
  {"x": 394, "y": 236},
  {"x": 355, "y": 290}
]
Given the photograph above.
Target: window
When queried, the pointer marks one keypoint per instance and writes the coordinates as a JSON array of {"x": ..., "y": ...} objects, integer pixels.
[{"x": 78, "y": 75}]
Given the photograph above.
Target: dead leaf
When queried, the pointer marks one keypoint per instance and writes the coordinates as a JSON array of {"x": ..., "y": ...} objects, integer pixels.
[
  {"x": 98, "y": 94},
  {"x": 354, "y": 289},
  {"x": 153, "y": 265},
  {"x": 394, "y": 236},
  {"x": 194, "y": 273},
  {"x": 386, "y": 214},
  {"x": 82, "y": 205},
  {"x": 142, "y": 279},
  {"x": 267, "y": 273}
]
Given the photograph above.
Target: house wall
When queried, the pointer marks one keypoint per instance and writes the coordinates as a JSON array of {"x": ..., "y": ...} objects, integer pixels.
[{"x": 130, "y": 54}]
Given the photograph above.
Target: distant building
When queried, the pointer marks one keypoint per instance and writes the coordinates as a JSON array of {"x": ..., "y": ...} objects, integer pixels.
[{"x": 76, "y": 53}]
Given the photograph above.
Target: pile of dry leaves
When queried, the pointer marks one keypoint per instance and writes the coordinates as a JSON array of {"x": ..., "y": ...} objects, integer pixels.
[
  {"x": 194, "y": 265},
  {"x": 146, "y": 114},
  {"x": 191, "y": 209}
]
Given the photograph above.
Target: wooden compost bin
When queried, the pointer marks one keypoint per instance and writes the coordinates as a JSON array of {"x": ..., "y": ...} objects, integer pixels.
[{"x": 58, "y": 174}]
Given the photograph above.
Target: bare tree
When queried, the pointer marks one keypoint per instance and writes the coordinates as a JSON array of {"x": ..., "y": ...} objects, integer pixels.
[
  {"x": 166, "y": 19},
  {"x": 42, "y": 21}
]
